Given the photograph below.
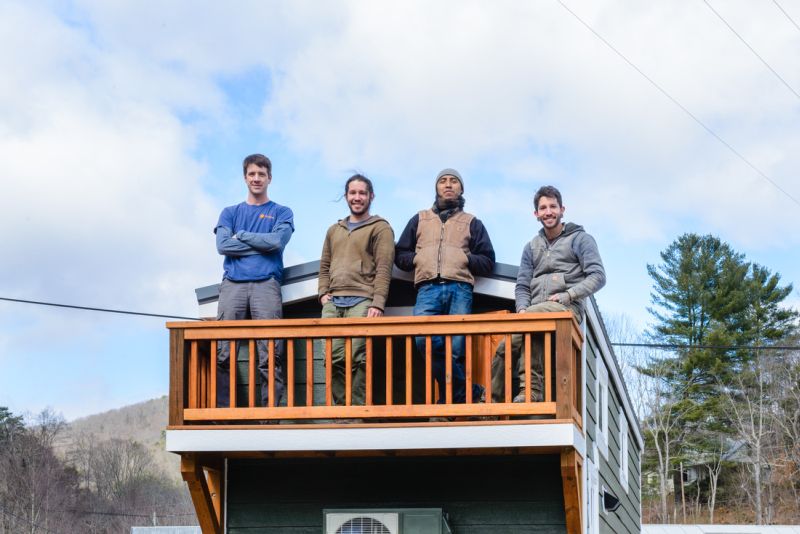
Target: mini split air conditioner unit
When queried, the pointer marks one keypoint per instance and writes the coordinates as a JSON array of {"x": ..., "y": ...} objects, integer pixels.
[{"x": 385, "y": 521}]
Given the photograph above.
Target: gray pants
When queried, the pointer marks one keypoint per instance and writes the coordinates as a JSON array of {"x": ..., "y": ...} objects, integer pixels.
[
  {"x": 358, "y": 353},
  {"x": 250, "y": 300},
  {"x": 518, "y": 357}
]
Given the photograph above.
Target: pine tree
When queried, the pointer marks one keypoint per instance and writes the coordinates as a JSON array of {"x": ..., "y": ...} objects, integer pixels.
[{"x": 709, "y": 300}]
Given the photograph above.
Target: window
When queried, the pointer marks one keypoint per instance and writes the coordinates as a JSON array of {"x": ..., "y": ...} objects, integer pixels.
[
  {"x": 623, "y": 450},
  {"x": 601, "y": 395}
]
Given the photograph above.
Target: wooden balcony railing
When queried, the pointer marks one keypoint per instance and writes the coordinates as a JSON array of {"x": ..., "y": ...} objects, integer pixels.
[{"x": 399, "y": 383}]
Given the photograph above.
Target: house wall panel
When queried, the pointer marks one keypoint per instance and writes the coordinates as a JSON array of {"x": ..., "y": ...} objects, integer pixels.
[{"x": 480, "y": 493}]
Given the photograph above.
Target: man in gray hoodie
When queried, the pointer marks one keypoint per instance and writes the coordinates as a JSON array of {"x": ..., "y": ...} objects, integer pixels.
[{"x": 560, "y": 267}]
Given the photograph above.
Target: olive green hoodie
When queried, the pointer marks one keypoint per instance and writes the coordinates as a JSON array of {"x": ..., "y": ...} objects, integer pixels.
[{"x": 358, "y": 263}]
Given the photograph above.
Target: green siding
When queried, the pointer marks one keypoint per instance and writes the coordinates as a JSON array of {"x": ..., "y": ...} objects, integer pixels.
[
  {"x": 627, "y": 518},
  {"x": 506, "y": 494}
]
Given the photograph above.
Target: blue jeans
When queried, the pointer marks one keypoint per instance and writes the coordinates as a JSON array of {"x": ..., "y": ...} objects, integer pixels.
[{"x": 447, "y": 298}]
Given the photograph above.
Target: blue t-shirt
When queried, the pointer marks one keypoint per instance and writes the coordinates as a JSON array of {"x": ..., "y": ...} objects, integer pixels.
[{"x": 263, "y": 219}]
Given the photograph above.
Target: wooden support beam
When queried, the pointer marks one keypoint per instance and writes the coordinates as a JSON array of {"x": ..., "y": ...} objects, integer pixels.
[
  {"x": 216, "y": 487},
  {"x": 571, "y": 476},
  {"x": 208, "y": 515}
]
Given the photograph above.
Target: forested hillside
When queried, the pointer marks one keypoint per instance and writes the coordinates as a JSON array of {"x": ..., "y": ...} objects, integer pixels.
[
  {"x": 143, "y": 422},
  {"x": 103, "y": 475}
]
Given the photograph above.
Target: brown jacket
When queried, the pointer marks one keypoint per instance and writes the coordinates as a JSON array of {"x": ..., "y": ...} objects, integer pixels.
[
  {"x": 442, "y": 248},
  {"x": 358, "y": 263}
]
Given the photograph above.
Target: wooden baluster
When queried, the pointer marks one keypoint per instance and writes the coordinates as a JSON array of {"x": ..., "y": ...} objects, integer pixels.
[
  {"x": 232, "y": 367},
  {"x": 348, "y": 371},
  {"x": 290, "y": 372},
  {"x": 448, "y": 370},
  {"x": 548, "y": 367},
  {"x": 203, "y": 383},
  {"x": 389, "y": 378},
  {"x": 528, "y": 364},
  {"x": 213, "y": 390},
  {"x": 468, "y": 367},
  {"x": 193, "y": 375},
  {"x": 251, "y": 374},
  {"x": 508, "y": 368},
  {"x": 487, "y": 366},
  {"x": 428, "y": 395},
  {"x": 271, "y": 379},
  {"x": 409, "y": 371},
  {"x": 309, "y": 372},
  {"x": 328, "y": 372},
  {"x": 368, "y": 371}
]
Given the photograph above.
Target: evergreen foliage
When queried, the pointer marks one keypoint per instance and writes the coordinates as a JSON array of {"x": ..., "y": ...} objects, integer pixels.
[{"x": 710, "y": 301}]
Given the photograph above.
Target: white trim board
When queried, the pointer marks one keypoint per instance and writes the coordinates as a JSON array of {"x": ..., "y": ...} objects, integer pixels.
[{"x": 355, "y": 438}]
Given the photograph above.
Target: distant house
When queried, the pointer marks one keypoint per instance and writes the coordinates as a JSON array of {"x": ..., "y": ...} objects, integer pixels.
[
  {"x": 491, "y": 468},
  {"x": 720, "y": 529}
]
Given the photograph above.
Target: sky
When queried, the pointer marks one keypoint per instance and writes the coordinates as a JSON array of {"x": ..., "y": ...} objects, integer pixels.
[{"x": 123, "y": 126}]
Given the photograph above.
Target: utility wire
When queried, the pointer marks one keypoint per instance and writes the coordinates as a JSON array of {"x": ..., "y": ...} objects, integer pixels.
[
  {"x": 720, "y": 17},
  {"x": 122, "y": 514},
  {"x": 787, "y": 14},
  {"x": 718, "y": 347},
  {"x": 26, "y": 520},
  {"x": 104, "y": 310},
  {"x": 681, "y": 106},
  {"x": 649, "y": 345}
]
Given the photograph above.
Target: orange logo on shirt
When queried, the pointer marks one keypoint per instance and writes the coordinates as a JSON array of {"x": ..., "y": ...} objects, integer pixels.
[{"x": 264, "y": 216}]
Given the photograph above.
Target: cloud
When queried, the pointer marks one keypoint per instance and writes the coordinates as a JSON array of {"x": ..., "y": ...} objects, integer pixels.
[
  {"x": 117, "y": 115},
  {"x": 97, "y": 178},
  {"x": 474, "y": 82}
]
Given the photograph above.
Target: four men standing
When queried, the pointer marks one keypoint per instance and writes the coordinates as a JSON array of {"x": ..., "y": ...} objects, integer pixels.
[{"x": 444, "y": 246}]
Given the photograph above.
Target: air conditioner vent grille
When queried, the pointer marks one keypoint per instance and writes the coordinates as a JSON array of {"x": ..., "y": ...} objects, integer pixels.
[{"x": 363, "y": 525}]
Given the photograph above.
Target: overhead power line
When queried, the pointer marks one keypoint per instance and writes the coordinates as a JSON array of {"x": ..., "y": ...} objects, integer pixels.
[
  {"x": 786, "y": 14},
  {"x": 28, "y": 521},
  {"x": 764, "y": 61},
  {"x": 104, "y": 310},
  {"x": 681, "y": 106},
  {"x": 717, "y": 347},
  {"x": 648, "y": 345}
]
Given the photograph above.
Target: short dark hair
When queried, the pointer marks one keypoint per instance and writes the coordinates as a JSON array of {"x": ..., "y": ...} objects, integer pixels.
[
  {"x": 257, "y": 159},
  {"x": 547, "y": 191},
  {"x": 361, "y": 178}
]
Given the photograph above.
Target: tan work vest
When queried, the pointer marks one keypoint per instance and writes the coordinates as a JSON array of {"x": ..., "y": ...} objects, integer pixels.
[{"x": 442, "y": 248}]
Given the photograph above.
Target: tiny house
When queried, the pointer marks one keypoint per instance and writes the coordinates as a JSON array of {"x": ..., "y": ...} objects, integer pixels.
[{"x": 414, "y": 462}]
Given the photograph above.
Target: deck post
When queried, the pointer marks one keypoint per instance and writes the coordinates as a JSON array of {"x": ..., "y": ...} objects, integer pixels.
[
  {"x": 571, "y": 473},
  {"x": 177, "y": 374},
  {"x": 565, "y": 388}
]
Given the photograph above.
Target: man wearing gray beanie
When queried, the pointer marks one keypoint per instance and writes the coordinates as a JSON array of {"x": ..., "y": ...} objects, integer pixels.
[{"x": 446, "y": 248}]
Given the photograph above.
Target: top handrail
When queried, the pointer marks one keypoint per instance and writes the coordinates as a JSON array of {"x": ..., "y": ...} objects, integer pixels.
[{"x": 386, "y": 325}]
